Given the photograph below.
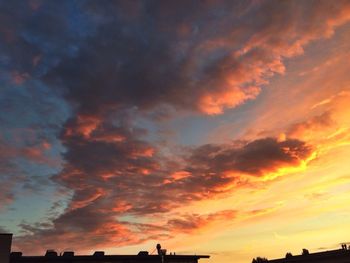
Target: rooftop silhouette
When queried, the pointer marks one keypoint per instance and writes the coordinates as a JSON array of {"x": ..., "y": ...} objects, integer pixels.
[
  {"x": 332, "y": 256},
  {"x": 51, "y": 256}
]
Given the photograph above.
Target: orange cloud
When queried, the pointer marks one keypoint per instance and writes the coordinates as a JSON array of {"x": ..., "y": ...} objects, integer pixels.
[
  {"x": 262, "y": 55},
  {"x": 86, "y": 125},
  {"x": 330, "y": 128},
  {"x": 216, "y": 103},
  {"x": 307, "y": 129},
  {"x": 194, "y": 222}
]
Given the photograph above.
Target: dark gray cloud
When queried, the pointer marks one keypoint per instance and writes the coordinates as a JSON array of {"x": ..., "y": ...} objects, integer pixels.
[
  {"x": 254, "y": 158},
  {"x": 146, "y": 54}
]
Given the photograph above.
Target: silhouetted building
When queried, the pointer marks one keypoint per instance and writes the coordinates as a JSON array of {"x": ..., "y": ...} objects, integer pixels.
[
  {"x": 5, "y": 247},
  {"x": 15, "y": 258},
  {"x": 332, "y": 256},
  {"x": 52, "y": 256}
]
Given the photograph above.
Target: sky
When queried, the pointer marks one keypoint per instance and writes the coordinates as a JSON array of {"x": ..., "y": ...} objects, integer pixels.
[{"x": 212, "y": 127}]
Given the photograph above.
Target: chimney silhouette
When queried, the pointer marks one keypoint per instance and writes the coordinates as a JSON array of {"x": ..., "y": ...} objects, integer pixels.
[
  {"x": 5, "y": 247},
  {"x": 159, "y": 249}
]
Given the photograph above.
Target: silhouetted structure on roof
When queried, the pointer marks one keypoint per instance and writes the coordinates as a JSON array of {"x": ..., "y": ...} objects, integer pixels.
[
  {"x": 333, "y": 256},
  {"x": 259, "y": 260},
  {"x": 5, "y": 247},
  {"x": 52, "y": 256}
]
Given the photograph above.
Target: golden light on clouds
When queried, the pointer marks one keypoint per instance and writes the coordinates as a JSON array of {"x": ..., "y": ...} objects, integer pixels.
[{"x": 212, "y": 127}]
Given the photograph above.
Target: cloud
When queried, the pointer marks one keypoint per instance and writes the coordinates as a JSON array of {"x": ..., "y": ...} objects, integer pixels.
[
  {"x": 112, "y": 62},
  {"x": 220, "y": 68},
  {"x": 191, "y": 223},
  {"x": 104, "y": 190},
  {"x": 329, "y": 126},
  {"x": 312, "y": 125},
  {"x": 15, "y": 158},
  {"x": 6, "y": 192},
  {"x": 254, "y": 158},
  {"x": 108, "y": 59}
]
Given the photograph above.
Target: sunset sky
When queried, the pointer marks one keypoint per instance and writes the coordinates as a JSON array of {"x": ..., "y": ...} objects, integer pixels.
[{"x": 211, "y": 127}]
